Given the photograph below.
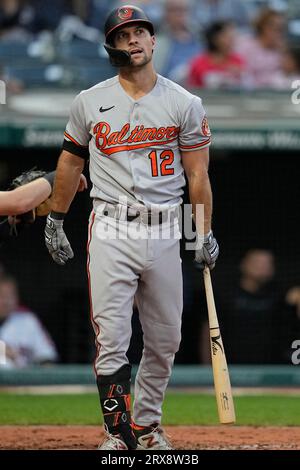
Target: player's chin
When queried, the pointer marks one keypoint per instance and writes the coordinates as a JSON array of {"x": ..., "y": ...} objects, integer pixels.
[
  {"x": 139, "y": 60},
  {"x": 136, "y": 58}
]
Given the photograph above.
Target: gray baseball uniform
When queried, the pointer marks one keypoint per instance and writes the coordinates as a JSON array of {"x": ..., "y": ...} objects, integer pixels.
[{"x": 135, "y": 161}]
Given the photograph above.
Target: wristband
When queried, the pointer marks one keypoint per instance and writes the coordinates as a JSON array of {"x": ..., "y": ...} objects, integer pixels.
[{"x": 57, "y": 215}]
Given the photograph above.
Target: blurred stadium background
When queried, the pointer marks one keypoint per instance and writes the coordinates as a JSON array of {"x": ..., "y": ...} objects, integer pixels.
[{"x": 49, "y": 51}]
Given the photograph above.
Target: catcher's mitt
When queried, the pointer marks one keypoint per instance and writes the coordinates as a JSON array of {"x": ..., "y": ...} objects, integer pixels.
[
  {"x": 26, "y": 177},
  {"x": 19, "y": 221}
]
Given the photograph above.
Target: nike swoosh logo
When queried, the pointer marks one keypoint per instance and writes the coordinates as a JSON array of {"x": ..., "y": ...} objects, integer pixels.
[{"x": 102, "y": 110}]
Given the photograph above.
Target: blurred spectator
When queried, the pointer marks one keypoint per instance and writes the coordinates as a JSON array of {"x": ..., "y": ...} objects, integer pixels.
[
  {"x": 254, "y": 316},
  {"x": 262, "y": 53},
  {"x": 12, "y": 85},
  {"x": 206, "y": 12},
  {"x": 49, "y": 14},
  {"x": 21, "y": 19},
  {"x": 293, "y": 298},
  {"x": 26, "y": 340},
  {"x": 93, "y": 12},
  {"x": 71, "y": 27},
  {"x": 67, "y": 18},
  {"x": 176, "y": 43},
  {"x": 15, "y": 18},
  {"x": 220, "y": 66},
  {"x": 290, "y": 69}
]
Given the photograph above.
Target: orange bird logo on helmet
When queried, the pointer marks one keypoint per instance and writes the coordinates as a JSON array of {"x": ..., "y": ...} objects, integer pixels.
[{"x": 125, "y": 13}]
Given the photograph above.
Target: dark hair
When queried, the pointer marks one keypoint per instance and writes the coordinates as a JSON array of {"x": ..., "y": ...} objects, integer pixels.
[
  {"x": 213, "y": 31},
  {"x": 263, "y": 18}
]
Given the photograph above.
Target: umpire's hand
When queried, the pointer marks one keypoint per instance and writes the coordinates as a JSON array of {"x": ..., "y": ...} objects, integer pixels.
[
  {"x": 56, "y": 241},
  {"x": 208, "y": 253}
]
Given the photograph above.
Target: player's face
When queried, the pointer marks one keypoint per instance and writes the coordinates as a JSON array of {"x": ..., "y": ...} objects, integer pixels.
[
  {"x": 259, "y": 266},
  {"x": 138, "y": 41}
]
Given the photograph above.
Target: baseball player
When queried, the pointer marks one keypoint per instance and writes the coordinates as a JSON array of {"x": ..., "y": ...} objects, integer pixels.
[{"x": 141, "y": 132}]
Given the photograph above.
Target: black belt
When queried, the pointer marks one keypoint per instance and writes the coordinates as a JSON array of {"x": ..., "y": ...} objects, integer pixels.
[
  {"x": 130, "y": 214},
  {"x": 147, "y": 218}
]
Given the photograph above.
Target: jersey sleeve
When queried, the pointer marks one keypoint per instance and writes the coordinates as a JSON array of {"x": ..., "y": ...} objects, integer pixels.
[
  {"x": 194, "y": 130},
  {"x": 76, "y": 134}
]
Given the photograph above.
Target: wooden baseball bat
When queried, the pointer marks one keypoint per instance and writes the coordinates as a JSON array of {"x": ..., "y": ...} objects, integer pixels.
[{"x": 220, "y": 370}]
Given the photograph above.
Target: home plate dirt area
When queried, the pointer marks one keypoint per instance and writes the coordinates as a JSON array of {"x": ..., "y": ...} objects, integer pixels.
[{"x": 182, "y": 437}]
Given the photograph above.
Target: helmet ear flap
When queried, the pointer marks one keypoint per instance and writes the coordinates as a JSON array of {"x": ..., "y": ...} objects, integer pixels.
[{"x": 117, "y": 57}]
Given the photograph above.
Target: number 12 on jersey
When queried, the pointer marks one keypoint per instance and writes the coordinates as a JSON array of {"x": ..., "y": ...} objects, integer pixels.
[{"x": 161, "y": 165}]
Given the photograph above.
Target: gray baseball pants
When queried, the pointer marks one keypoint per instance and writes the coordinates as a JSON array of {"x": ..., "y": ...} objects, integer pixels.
[{"x": 127, "y": 261}]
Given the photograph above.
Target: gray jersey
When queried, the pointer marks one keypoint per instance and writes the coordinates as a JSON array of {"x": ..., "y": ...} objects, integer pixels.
[{"x": 135, "y": 145}]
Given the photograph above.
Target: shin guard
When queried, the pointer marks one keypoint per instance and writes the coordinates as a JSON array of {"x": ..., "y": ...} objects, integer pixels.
[{"x": 114, "y": 392}]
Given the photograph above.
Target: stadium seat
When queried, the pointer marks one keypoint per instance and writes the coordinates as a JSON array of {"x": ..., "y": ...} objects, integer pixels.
[
  {"x": 78, "y": 50},
  {"x": 92, "y": 74},
  {"x": 39, "y": 75},
  {"x": 60, "y": 75},
  {"x": 12, "y": 51}
]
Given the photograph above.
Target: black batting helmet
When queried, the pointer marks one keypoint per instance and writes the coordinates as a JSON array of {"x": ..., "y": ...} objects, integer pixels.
[{"x": 119, "y": 17}]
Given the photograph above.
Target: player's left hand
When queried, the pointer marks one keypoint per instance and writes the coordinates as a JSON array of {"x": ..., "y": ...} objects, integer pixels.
[{"x": 208, "y": 253}]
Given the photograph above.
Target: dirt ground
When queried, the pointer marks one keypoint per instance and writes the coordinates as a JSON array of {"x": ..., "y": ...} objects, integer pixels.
[{"x": 182, "y": 437}]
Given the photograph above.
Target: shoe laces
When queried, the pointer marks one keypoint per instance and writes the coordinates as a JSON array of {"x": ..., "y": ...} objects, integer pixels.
[
  {"x": 162, "y": 434},
  {"x": 114, "y": 438}
]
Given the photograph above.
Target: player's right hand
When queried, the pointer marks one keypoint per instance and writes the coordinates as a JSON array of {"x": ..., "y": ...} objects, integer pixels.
[{"x": 56, "y": 241}]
